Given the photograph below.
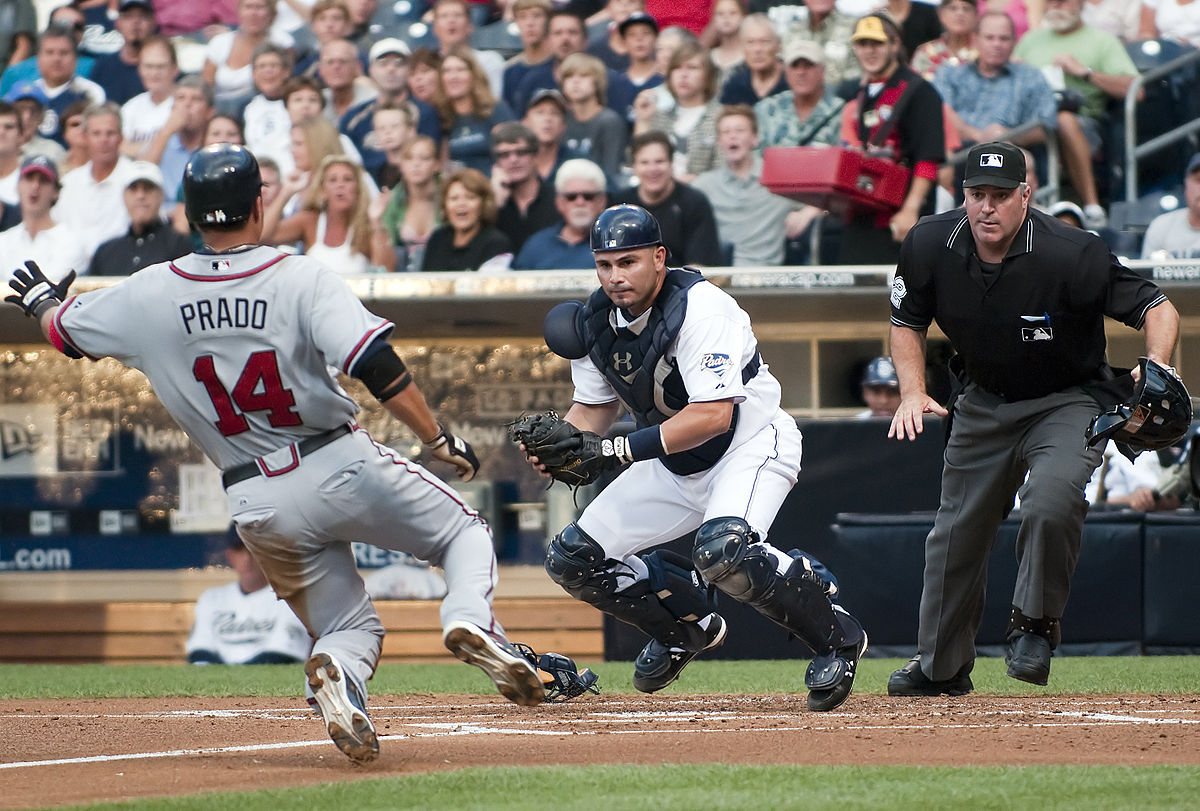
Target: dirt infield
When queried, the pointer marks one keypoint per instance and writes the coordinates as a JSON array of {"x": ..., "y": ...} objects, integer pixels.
[{"x": 60, "y": 752}]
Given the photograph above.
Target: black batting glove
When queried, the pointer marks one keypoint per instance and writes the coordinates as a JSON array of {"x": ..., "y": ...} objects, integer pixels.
[
  {"x": 34, "y": 292},
  {"x": 455, "y": 451}
]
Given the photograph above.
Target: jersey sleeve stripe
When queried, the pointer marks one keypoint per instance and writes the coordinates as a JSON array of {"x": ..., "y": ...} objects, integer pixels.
[
  {"x": 383, "y": 329},
  {"x": 901, "y": 323},
  {"x": 59, "y": 336},
  {"x": 1142, "y": 315}
]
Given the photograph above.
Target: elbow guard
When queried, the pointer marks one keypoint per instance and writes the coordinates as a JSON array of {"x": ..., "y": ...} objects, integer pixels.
[{"x": 383, "y": 372}]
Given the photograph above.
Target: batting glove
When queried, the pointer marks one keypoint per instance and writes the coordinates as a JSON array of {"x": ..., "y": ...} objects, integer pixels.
[
  {"x": 453, "y": 450},
  {"x": 35, "y": 293}
]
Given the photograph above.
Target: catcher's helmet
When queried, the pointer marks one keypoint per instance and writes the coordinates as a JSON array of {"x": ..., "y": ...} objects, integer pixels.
[
  {"x": 220, "y": 184},
  {"x": 625, "y": 226},
  {"x": 881, "y": 372},
  {"x": 1156, "y": 417}
]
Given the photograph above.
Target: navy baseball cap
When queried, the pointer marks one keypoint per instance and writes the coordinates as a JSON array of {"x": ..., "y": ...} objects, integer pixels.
[
  {"x": 881, "y": 372},
  {"x": 41, "y": 165},
  {"x": 997, "y": 163},
  {"x": 26, "y": 91},
  {"x": 636, "y": 18}
]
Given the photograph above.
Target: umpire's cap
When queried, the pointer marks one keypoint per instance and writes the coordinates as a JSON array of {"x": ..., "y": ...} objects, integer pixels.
[
  {"x": 220, "y": 184},
  {"x": 1157, "y": 416},
  {"x": 625, "y": 226},
  {"x": 881, "y": 372}
]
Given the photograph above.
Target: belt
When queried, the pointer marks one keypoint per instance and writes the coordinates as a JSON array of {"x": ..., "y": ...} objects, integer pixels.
[{"x": 303, "y": 448}]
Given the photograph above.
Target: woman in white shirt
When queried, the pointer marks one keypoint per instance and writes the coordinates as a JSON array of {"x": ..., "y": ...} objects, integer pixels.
[
  {"x": 146, "y": 113},
  {"x": 228, "y": 57}
]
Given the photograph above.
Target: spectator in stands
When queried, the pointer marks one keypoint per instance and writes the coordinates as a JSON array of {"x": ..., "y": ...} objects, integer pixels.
[
  {"x": 208, "y": 18},
  {"x": 330, "y": 21},
  {"x": 150, "y": 238},
  {"x": 224, "y": 128},
  {"x": 525, "y": 203},
  {"x": 956, "y": 45},
  {"x": 724, "y": 33},
  {"x": 423, "y": 78},
  {"x": 40, "y": 236},
  {"x": 146, "y": 113},
  {"x": 67, "y": 18},
  {"x": 244, "y": 623},
  {"x": 411, "y": 208},
  {"x": 19, "y": 19},
  {"x": 639, "y": 32},
  {"x": 10, "y": 153},
  {"x": 807, "y": 113},
  {"x": 1170, "y": 19},
  {"x": 362, "y": 12},
  {"x": 265, "y": 116},
  {"x": 393, "y": 125},
  {"x": 332, "y": 224},
  {"x": 1132, "y": 484},
  {"x": 312, "y": 141},
  {"x": 92, "y": 202},
  {"x": 579, "y": 198},
  {"x": 546, "y": 118},
  {"x": 339, "y": 70},
  {"x": 751, "y": 219},
  {"x": 603, "y": 31},
  {"x": 992, "y": 94},
  {"x": 592, "y": 128},
  {"x": 30, "y": 104},
  {"x": 880, "y": 389},
  {"x": 228, "y": 56},
  {"x": 76, "y": 154},
  {"x": 692, "y": 120},
  {"x": 118, "y": 72},
  {"x": 469, "y": 240},
  {"x": 468, "y": 111},
  {"x": 832, "y": 30},
  {"x": 684, "y": 214},
  {"x": 389, "y": 70},
  {"x": 918, "y": 22},
  {"x": 533, "y": 27},
  {"x": 59, "y": 84},
  {"x": 754, "y": 225},
  {"x": 760, "y": 75},
  {"x": 1176, "y": 234},
  {"x": 452, "y": 28},
  {"x": 1121, "y": 18},
  {"x": 172, "y": 146},
  {"x": 1025, "y": 14},
  {"x": 1093, "y": 63},
  {"x": 1067, "y": 212},
  {"x": 915, "y": 139}
]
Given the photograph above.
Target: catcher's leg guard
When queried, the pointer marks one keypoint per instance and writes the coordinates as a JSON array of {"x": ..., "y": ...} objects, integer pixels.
[{"x": 666, "y": 607}]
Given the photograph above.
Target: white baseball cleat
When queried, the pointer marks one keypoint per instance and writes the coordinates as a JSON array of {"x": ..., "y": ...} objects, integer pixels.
[
  {"x": 342, "y": 707},
  {"x": 515, "y": 678}
]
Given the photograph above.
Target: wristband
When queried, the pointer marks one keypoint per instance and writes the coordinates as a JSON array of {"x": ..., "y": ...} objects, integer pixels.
[{"x": 646, "y": 443}]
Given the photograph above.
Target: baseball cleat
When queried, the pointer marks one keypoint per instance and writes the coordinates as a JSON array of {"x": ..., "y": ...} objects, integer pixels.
[
  {"x": 515, "y": 678},
  {"x": 839, "y": 666},
  {"x": 910, "y": 680},
  {"x": 659, "y": 665},
  {"x": 1028, "y": 657},
  {"x": 342, "y": 708}
]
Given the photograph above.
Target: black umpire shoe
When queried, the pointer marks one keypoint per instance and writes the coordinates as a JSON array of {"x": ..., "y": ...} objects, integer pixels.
[
  {"x": 1028, "y": 657},
  {"x": 658, "y": 665},
  {"x": 911, "y": 681}
]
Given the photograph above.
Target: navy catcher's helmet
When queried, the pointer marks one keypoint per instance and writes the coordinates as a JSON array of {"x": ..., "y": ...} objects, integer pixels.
[
  {"x": 1157, "y": 417},
  {"x": 220, "y": 184},
  {"x": 625, "y": 226},
  {"x": 881, "y": 372}
]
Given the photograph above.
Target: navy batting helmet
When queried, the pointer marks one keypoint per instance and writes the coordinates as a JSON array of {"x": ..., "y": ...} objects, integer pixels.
[
  {"x": 1156, "y": 417},
  {"x": 881, "y": 372},
  {"x": 625, "y": 226},
  {"x": 220, "y": 184}
]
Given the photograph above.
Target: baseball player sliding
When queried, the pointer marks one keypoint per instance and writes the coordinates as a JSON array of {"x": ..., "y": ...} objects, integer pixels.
[
  {"x": 712, "y": 453},
  {"x": 235, "y": 340}
]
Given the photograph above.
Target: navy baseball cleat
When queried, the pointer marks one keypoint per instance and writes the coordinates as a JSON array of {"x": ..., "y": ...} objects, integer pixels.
[
  {"x": 515, "y": 678},
  {"x": 830, "y": 678},
  {"x": 342, "y": 707},
  {"x": 658, "y": 665},
  {"x": 910, "y": 680},
  {"x": 1028, "y": 657}
]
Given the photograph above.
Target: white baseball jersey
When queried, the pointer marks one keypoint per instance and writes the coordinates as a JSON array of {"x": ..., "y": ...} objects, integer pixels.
[
  {"x": 238, "y": 626},
  {"x": 235, "y": 345}
]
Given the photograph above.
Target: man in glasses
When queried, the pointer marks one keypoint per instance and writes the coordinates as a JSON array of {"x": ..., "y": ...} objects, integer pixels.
[
  {"x": 525, "y": 202},
  {"x": 579, "y": 197}
]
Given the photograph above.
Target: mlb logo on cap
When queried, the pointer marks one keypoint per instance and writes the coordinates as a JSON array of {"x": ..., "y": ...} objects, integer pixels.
[
  {"x": 991, "y": 159},
  {"x": 998, "y": 163}
]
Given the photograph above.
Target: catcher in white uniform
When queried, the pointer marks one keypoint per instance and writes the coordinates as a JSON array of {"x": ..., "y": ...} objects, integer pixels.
[
  {"x": 235, "y": 340},
  {"x": 712, "y": 453}
]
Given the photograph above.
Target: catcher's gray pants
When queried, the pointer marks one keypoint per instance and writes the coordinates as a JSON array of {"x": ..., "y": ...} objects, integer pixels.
[
  {"x": 993, "y": 444},
  {"x": 299, "y": 526}
]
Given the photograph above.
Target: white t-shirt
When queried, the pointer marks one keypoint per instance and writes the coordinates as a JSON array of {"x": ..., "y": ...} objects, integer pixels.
[
  {"x": 1169, "y": 236},
  {"x": 230, "y": 83},
  {"x": 142, "y": 118},
  {"x": 1173, "y": 21},
  {"x": 1123, "y": 477},
  {"x": 95, "y": 211},
  {"x": 238, "y": 626},
  {"x": 8, "y": 187},
  {"x": 235, "y": 345},
  {"x": 268, "y": 127},
  {"x": 56, "y": 250}
]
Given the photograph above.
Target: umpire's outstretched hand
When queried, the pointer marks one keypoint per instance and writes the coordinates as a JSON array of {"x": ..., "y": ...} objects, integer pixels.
[{"x": 909, "y": 419}]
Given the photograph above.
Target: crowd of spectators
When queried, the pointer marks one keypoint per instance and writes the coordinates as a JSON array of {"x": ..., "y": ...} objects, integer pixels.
[{"x": 481, "y": 134}]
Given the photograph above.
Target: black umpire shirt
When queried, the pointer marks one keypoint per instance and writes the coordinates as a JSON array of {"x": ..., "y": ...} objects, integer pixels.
[
  {"x": 1032, "y": 325},
  {"x": 129, "y": 253}
]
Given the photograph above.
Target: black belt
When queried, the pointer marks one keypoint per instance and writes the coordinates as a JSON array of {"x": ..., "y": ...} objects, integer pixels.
[{"x": 303, "y": 448}]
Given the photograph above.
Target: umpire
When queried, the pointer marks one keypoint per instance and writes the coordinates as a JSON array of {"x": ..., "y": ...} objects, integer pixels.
[{"x": 1022, "y": 298}]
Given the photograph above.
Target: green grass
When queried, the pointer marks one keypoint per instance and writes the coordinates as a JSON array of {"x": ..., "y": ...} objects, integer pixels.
[
  {"x": 712, "y": 786},
  {"x": 1080, "y": 674}
]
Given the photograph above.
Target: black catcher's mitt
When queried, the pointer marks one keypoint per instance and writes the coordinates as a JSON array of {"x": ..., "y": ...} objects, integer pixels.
[
  {"x": 559, "y": 674},
  {"x": 571, "y": 455}
]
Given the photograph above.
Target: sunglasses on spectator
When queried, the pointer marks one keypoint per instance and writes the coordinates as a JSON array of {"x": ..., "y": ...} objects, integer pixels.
[
  {"x": 501, "y": 154},
  {"x": 586, "y": 196}
]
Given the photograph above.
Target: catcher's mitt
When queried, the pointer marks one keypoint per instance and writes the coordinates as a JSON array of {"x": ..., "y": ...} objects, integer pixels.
[
  {"x": 559, "y": 674},
  {"x": 570, "y": 455}
]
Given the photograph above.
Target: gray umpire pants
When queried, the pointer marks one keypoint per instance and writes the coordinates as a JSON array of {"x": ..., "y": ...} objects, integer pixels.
[{"x": 993, "y": 444}]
